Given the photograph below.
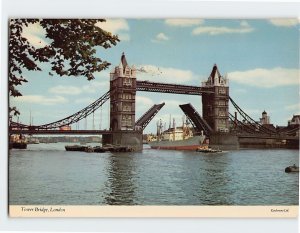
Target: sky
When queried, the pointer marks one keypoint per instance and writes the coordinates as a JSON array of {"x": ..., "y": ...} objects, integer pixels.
[{"x": 259, "y": 57}]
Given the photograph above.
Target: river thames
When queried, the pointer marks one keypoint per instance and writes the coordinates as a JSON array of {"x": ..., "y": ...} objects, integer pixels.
[{"x": 46, "y": 174}]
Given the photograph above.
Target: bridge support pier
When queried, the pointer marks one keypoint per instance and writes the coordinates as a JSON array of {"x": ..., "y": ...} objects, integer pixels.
[
  {"x": 224, "y": 141},
  {"x": 132, "y": 139}
]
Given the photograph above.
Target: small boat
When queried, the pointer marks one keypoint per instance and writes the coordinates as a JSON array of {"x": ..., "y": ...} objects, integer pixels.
[
  {"x": 76, "y": 148},
  {"x": 17, "y": 142},
  {"x": 207, "y": 150},
  {"x": 99, "y": 149},
  {"x": 293, "y": 168},
  {"x": 18, "y": 145}
]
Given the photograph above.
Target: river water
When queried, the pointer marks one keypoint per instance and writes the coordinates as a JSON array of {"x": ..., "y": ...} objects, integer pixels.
[{"x": 46, "y": 174}]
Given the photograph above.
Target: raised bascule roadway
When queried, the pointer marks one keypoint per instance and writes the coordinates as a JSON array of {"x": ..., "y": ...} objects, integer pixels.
[{"x": 223, "y": 128}]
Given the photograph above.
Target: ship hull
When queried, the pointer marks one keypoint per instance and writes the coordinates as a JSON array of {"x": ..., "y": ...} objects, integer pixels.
[{"x": 187, "y": 144}]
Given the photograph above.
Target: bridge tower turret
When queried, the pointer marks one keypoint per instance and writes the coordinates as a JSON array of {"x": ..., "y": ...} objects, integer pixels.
[
  {"x": 215, "y": 105},
  {"x": 122, "y": 96}
]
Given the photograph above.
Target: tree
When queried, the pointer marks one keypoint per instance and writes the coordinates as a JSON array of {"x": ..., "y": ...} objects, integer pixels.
[{"x": 71, "y": 51}]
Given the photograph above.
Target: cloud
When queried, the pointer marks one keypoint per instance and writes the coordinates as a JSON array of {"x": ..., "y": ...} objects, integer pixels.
[
  {"x": 119, "y": 27},
  {"x": 160, "y": 37},
  {"x": 184, "y": 22},
  {"x": 142, "y": 105},
  {"x": 84, "y": 101},
  {"x": 93, "y": 86},
  {"x": 144, "y": 102},
  {"x": 284, "y": 22},
  {"x": 96, "y": 86},
  {"x": 172, "y": 103},
  {"x": 124, "y": 36},
  {"x": 35, "y": 34},
  {"x": 164, "y": 74},
  {"x": 165, "y": 118},
  {"x": 65, "y": 90},
  {"x": 210, "y": 30},
  {"x": 293, "y": 107},
  {"x": 253, "y": 111},
  {"x": 266, "y": 78},
  {"x": 42, "y": 100},
  {"x": 240, "y": 90}
]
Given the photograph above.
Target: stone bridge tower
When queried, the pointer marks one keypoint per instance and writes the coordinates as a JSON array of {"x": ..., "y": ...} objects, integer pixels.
[
  {"x": 122, "y": 108},
  {"x": 122, "y": 96},
  {"x": 215, "y": 105}
]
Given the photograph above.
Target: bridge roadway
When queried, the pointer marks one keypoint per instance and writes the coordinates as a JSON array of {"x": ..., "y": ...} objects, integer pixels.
[
  {"x": 171, "y": 88},
  {"x": 69, "y": 132},
  {"x": 103, "y": 132}
]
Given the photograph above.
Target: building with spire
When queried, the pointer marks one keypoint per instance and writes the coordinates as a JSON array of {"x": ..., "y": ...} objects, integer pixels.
[
  {"x": 294, "y": 121},
  {"x": 265, "y": 119}
]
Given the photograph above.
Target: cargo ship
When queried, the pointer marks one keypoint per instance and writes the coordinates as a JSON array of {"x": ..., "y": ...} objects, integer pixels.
[{"x": 176, "y": 138}]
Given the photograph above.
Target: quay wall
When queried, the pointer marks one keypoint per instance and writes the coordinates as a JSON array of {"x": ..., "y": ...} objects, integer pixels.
[
  {"x": 264, "y": 143},
  {"x": 224, "y": 141},
  {"x": 227, "y": 141}
]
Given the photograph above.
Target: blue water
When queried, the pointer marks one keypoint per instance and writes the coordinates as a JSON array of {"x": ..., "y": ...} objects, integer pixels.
[{"x": 47, "y": 174}]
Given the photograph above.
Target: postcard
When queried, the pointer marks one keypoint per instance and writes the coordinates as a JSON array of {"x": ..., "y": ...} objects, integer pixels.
[{"x": 161, "y": 117}]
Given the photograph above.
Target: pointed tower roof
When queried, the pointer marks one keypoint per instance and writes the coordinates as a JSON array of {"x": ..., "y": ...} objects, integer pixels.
[
  {"x": 121, "y": 66},
  {"x": 214, "y": 72},
  {"x": 123, "y": 60}
]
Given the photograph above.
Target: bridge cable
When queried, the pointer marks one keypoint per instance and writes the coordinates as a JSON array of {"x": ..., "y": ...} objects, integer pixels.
[
  {"x": 251, "y": 121},
  {"x": 76, "y": 117}
]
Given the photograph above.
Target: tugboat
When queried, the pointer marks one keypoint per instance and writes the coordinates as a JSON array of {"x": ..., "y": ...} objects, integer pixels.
[
  {"x": 206, "y": 149},
  {"x": 293, "y": 168}
]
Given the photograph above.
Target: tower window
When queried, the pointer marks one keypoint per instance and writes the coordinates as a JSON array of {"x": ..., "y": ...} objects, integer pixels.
[
  {"x": 222, "y": 91},
  {"x": 127, "y": 82},
  {"x": 127, "y": 107},
  {"x": 221, "y": 103}
]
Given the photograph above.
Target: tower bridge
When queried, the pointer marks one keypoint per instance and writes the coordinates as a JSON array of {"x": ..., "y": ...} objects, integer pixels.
[{"x": 223, "y": 128}]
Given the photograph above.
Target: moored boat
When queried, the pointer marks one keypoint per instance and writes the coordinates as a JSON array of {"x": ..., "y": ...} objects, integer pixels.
[
  {"x": 293, "y": 168},
  {"x": 75, "y": 148}
]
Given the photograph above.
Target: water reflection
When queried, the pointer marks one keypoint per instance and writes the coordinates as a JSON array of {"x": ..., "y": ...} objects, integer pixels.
[
  {"x": 216, "y": 184},
  {"x": 120, "y": 180}
]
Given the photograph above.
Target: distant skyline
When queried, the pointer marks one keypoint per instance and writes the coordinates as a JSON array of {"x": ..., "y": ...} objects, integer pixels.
[{"x": 260, "y": 58}]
